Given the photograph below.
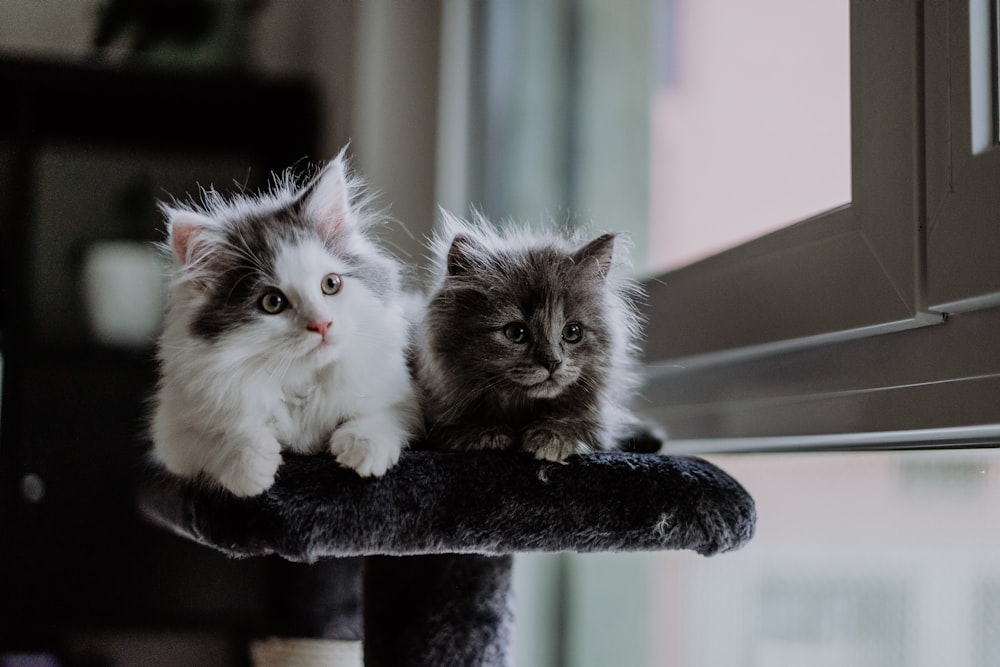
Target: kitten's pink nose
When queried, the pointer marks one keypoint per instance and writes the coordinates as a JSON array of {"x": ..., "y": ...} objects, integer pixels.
[{"x": 319, "y": 327}]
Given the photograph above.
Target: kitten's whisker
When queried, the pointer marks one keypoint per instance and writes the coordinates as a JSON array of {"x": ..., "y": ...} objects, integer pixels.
[
  {"x": 373, "y": 334},
  {"x": 282, "y": 364}
]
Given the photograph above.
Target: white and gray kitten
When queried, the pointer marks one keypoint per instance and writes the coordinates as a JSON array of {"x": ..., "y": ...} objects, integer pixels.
[
  {"x": 529, "y": 344},
  {"x": 284, "y": 331}
]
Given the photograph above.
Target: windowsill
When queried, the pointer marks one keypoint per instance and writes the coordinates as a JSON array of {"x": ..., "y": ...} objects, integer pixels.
[
  {"x": 935, "y": 386},
  {"x": 986, "y": 435}
]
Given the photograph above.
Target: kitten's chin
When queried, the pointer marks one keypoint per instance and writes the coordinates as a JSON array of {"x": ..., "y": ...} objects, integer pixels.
[
  {"x": 324, "y": 353},
  {"x": 314, "y": 355},
  {"x": 545, "y": 389}
]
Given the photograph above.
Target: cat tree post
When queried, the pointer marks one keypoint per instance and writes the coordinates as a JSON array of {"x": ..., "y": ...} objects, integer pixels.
[
  {"x": 313, "y": 614},
  {"x": 412, "y": 602},
  {"x": 316, "y": 616}
]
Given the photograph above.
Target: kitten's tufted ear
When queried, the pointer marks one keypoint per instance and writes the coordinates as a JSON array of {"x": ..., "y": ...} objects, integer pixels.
[
  {"x": 188, "y": 235},
  {"x": 462, "y": 255},
  {"x": 327, "y": 199},
  {"x": 191, "y": 237},
  {"x": 595, "y": 257}
]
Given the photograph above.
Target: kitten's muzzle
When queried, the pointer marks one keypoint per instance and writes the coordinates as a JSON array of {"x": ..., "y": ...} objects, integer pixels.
[
  {"x": 319, "y": 327},
  {"x": 550, "y": 363}
]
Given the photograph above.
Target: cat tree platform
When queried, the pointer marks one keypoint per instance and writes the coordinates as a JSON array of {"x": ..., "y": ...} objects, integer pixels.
[{"x": 419, "y": 561}]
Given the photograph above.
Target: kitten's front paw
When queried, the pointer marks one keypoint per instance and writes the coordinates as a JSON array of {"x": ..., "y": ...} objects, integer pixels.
[
  {"x": 500, "y": 440},
  {"x": 251, "y": 470},
  {"x": 478, "y": 439},
  {"x": 642, "y": 439},
  {"x": 549, "y": 445},
  {"x": 367, "y": 447}
]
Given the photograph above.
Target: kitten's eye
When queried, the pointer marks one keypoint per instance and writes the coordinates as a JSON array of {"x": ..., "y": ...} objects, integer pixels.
[
  {"x": 572, "y": 333},
  {"x": 516, "y": 332},
  {"x": 273, "y": 302},
  {"x": 332, "y": 283}
]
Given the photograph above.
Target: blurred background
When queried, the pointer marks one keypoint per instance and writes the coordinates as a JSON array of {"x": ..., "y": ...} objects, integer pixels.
[{"x": 692, "y": 126}]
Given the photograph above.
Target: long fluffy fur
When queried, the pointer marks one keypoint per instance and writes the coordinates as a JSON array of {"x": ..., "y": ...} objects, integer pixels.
[
  {"x": 237, "y": 385},
  {"x": 487, "y": 276}
]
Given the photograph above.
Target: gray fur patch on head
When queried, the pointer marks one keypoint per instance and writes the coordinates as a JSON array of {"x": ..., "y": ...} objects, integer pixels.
[{"x": 230, "y": 241}]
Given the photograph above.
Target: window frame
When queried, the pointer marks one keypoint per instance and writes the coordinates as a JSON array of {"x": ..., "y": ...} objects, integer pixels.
[
  {"x": 777, "y": 344},
  {"x": 849, "y": 272},
  {"x": 963, "y": 234}
]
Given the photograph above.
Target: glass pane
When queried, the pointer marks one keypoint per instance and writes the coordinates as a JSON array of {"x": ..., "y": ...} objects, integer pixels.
[
  {"x": 560, "y": 130},
  {"x": 982, "y": 73},
  {"x": 750, "y": 121},
  {"x": 876, "y": 559}
]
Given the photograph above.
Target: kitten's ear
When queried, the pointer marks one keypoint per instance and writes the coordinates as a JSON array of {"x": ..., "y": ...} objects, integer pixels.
[
  {"x": 327, "y": 199},
  {"x": 595, "y": 257},
  {"x": 462, "y": 255},
  {"x": 187, "y": 234}
]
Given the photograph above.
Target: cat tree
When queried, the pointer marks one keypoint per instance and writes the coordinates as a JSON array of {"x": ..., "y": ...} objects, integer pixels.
[{"x": 417, "y": 563}]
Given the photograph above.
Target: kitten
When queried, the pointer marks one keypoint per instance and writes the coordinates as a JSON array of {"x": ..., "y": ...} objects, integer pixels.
[
  {"x": 528, "y": 343},
  {"x": 284, "y": 331}
]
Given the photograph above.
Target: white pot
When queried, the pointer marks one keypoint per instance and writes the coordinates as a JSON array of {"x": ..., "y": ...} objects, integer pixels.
[{"x": 124, "y": 283}]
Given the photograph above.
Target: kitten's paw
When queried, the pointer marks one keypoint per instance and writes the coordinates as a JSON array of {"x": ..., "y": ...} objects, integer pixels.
[
  {"x": 477, "y": 440},
  {"x": 176, "y": 459},
  {"x": 642, "y": 439},
  {"x": 549, "y": 445},
  {"x": 251, "y": 471},
  {"x": 495, "y": 440},
  {"x": 366, "y": 447},
  {"x": 179, "y": 448}
]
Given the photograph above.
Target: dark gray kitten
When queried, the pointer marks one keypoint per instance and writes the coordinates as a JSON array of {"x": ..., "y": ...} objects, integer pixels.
[{"x": 528, "y": 343}]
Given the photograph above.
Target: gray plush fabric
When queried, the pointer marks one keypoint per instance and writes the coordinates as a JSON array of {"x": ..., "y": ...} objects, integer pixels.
[
  {"x": 436, "y": 536},
  {"x": 481, "y": 502}
]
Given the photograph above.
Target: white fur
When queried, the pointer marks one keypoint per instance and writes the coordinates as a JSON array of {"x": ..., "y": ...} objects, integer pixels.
[{"x": 227, "y": 407}]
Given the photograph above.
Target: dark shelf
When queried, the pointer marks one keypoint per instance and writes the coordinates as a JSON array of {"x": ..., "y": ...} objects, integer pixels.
[
  {"x": 73, "y": 552},
  {"x": 88, "y": 102}
]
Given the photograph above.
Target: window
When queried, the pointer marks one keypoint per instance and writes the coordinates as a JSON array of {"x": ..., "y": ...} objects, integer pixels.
[
  {"x": 849, "y": 272},
  {"x": 776, "y": 338},
  {"x": 749, "y": 119}
]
